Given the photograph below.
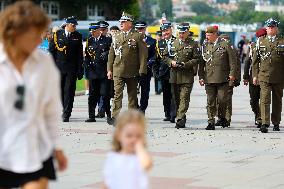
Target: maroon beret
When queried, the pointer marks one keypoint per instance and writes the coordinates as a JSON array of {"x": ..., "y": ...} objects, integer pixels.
[{"x": 260, "y": 32}]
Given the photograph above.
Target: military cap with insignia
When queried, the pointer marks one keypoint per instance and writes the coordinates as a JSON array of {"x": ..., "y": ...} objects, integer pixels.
[
  {"x": 183, "y": 27},
  {"x": 165, "y": 25},
  {"x": 94, "y": 26},
  {"x": 103, "y": 24},
  {"x": 71, "y": 20},
  {"x": 140, "y": 24},
  {"x": 126, "y": 17},
  {"x": 211, "y": 29},
  {"x": 272, "y": 23}
]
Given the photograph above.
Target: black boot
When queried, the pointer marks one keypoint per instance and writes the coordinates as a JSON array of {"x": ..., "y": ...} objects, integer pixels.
[
  {"x": 258, "y": 124},
  {"x": 276, "y": 128},
  {"x": 263, "y": 128},
  {"x": 225, "y": 123},
  {"x": 180, "y": 123},
  {"x": 111, "y": 121},
  {"x": 173, "y": 120},
  {"x": 90, "y": 120},
  {"x": 100, "y": 115},
  {"x": 66, "y": 119},
  {"x": 210, "y": 126},
  {"x": 167, "y": 119},
  {"x": 219, "y": 122}
]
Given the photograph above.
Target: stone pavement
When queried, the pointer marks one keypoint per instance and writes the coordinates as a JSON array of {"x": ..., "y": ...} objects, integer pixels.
[{"x": 191, "y": 158}]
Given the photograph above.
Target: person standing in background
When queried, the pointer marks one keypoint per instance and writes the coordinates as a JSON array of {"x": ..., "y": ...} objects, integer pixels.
[
  {"x": 146, "y": 81},
  {"x": 67, "y": 50},
  {"x": 29, "y": 118},
  {"x": 158, "y": 84}
]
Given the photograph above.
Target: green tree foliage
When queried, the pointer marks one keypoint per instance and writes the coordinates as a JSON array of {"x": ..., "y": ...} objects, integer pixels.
[
  {"x": 201, "y": 8},
  {"x": 146, "y": 12},
  {"x": 166, "y": 6}
]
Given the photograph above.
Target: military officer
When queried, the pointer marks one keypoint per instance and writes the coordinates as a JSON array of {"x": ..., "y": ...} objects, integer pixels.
[
  {"x": 268, "y": 69},
  {"x": 127, "y": 61},
  {"x": 103, "y": 27},
  {"x": 162, "y": 70},
  {"x": 254, "y": 90},
  {"x": 215, "y": 71},
  {"x": 97, "y": 48},
  {"x": 232, "y": 84},
  {"x": 145, "y": 81},
  {"x": 67, "y": 50},
  {"x": 186, "y": 55}
]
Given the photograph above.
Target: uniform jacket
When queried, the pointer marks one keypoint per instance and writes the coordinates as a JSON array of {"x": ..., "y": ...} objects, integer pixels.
[
  {"x": 268, "y": 60},
  {"x": 128, "y": 55},
  {"x": 97, "y": 57},
  {"x": 67, "y": 51},
  {"x": 161, "y": 69},
  {"x": 219, "y": 62},
  {"x": 248, "y": 64},
  {"x": 187, "y": 55},
  {"x": 151, "y": 59}
]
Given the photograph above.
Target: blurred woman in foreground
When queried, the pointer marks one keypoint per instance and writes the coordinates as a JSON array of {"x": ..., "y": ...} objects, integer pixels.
[{"x": 28, "y": 117}]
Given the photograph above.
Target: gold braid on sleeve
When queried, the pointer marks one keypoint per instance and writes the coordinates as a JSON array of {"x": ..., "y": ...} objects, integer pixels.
[{"x": 63, "y": 49}]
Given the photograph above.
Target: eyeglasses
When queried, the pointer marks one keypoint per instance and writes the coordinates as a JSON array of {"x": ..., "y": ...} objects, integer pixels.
[{"x": 19, "y": 104}]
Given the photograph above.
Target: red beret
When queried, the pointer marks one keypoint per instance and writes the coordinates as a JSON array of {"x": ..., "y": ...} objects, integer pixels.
[{"x": 260, "y": 32}]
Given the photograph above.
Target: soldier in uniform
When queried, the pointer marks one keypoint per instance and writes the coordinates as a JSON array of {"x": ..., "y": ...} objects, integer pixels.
[
  {"x": 103, "y": 27},
  {"x": 185, "y": 56},
  {"x": 127, "y": 61},
  {"x": 232, "y": 84},
  {"x": 254, "y": 90},
  {"x": 67, "y": 50},
  {"x": 97, "y": 48},
  {"x": 158, "y": 84},
  {"x": 268, "y": 69},
  {"x": 145, "y": 81},
  {"x": 215, "y": 71},
  {"x": 162, "y": 70}
]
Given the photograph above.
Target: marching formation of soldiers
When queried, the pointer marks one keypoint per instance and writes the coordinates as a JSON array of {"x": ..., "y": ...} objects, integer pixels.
[{"x": 130, "y": 57}]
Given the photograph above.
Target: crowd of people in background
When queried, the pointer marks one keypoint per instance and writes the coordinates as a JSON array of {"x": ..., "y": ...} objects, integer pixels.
[{"x": 31, "y": 85}]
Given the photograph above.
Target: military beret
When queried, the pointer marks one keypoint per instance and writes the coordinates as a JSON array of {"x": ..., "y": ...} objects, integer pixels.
[
  {"x": 272, "y": 22},
  {"x": 165, "y": 25},
  {"x": 140, "y": 24},
  {"x": 126, "y": 17},
  {"x": 103, "y": 24},
  {"x": 159, "y": 33},
  {"x": 71, "y": 20},
  {"x": 183, "y": 27},
  {"x": 211, "y": 29},
  {"x": 260, "y": 32},
  {"x": 94, "y": 26}
]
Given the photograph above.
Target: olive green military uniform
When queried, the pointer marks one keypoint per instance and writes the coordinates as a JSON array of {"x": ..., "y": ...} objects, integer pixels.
[
  {"x": 187, "y": 55},
  {"x": 219, "y": 62},
  {"x": 268, "y": 67},
  {"x": 254, "y": 90},
  {"x": 127, "y": 60}
]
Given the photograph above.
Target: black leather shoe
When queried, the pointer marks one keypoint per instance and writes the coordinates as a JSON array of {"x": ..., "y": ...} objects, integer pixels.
[
  {"x": 90, "y": 120},
  {"x": 167, "y": 119},
  {"x": 111, "y": 121},
  {"x": 258, "y": 125},
  {"x": 276, "y": 128},
  {"x": 180, "y": 123},
  {"x": 219, "y": 122},
  {"x": 210, "y": 127},
  {"x": 66, "y": 119},
  {"x": 100, "y": 115},
  {"x": 173, "y": 120},
  {"x": 225, "y": 123},
  {"x": 263, "y": 128}
]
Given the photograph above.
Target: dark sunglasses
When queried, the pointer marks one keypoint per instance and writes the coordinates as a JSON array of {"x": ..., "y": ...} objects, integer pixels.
[{"x": 19, "y": 104}]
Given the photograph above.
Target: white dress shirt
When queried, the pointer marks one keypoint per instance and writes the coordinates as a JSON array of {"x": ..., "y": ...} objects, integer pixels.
[{"x": 28, "y": 136}]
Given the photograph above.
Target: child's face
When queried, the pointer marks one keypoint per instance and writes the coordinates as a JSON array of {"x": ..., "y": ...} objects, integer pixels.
[{"x": 130, "y": 135}]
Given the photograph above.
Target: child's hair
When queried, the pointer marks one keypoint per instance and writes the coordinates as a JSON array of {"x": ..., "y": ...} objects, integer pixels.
[{"x": 130, "y": 116}]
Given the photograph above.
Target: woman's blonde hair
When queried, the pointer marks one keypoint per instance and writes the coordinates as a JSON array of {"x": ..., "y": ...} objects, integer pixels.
[
  {"x": 19, "y": 17},
  {"x": 130, "y": 116}
]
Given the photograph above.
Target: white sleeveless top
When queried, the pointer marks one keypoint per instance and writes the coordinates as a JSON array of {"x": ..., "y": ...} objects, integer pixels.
[{"x": 123, "y": 171}]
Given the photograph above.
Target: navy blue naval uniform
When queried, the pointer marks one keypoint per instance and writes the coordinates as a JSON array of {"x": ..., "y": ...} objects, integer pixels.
[
  {"x": 96, "y": 71},
  {"x": 67, "y": 52},
  {"x": 145, "y": 81}
]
